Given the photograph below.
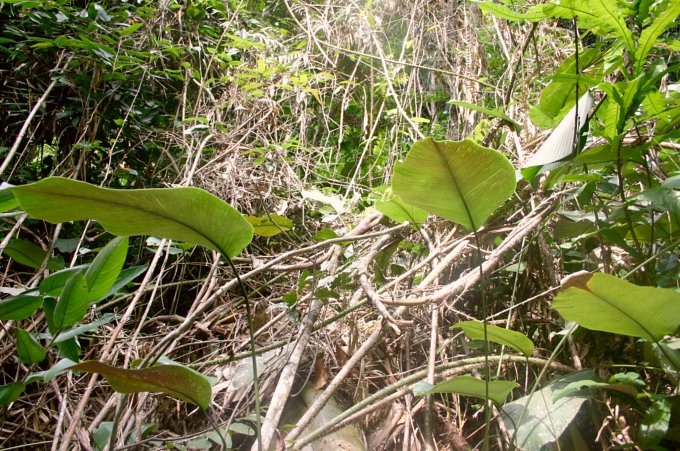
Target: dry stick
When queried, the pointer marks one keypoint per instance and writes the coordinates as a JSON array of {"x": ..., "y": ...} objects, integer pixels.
[
  {"x": 429, "y": 399},
  {"x": 347, "y": 368},
  {"x": 355, "y": 234},
  {"x": 402, "y": 387},
  {"x": 3, "y": 245},
  {"x": 27, "y": 122},
  {"x": 368, "y": 289},
  {"x": 285, "y": 383},
  {"x": 523, "y": 229},
  {"x": 107, "y": 349}
]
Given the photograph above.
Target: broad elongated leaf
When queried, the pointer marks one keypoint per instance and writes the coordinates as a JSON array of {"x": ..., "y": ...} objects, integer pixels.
[
  {"x": 54, "y": 283},
  {"x": 45, "y": 376},
  {"x": 460, "y": 181},
  {"x": 126, "y": 276},
  {"x": 28, "y": 348},
  {"x": 174, "y": 380},
  {"x": 397, "y": 210},
  {"x": 182, "y": 214},
  {"x": 72, "y": 304},
  {"x": 269, "y": 225},
  {"x": 79, "y": 330},
  {"x": 536, "y": 421},
  {"x": 607, "y": 303},
  {"x": 105, "y": 268},
  {"x": 560, "y": 143},
  {"x": 19, "y": 307},
  {"x": 7, "y": 200},
  {"x": 514, "y": 339},
  {"x": 11, "y": 392},
  {"x": 29, "y": 254},
  {"x": 468, "y": 385}
]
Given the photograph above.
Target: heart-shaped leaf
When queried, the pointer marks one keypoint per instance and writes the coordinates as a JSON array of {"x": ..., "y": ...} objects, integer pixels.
[
  {"x": 174, "y": 380},
  {"x": 460, "y": 181},
  {"x": 468, "y": 385},
  {"x": 182, "y": 214},
  {"x": 607, "y": 303},
  {"x": 516, "y": 340}
]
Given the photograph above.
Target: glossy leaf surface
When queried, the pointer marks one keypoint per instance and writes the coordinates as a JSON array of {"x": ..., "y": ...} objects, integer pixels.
[
  {"x": 174, "y": 380},
  {"x": 28, "y": 348},
  {"x": 460, "y": 181},
  {"x": 468, "y": 385},
  {"x": 19, "y": 307},
  {"x": 607, "y": 303},
  {"x": 182, "y": 214},
  {"x": 516, "y": 340},
  {"x": 104, "y": 270}
]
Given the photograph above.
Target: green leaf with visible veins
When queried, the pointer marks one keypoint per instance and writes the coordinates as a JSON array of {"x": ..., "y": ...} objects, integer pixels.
[
  {"x": 72, "y": 304},
  {"x": 174, "y": 380},
  {"x": 516, "y": 340},
  {"x": 468, "y": 385},
  {"x": 182, "y": 214},
  {"x": 607, "y": 303},
  {"x": 457, "y": 180},
  {"x": 104, "y": 270}
]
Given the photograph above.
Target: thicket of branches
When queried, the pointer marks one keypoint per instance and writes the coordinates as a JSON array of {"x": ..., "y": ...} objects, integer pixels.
[{"x": 302, "y": 109}]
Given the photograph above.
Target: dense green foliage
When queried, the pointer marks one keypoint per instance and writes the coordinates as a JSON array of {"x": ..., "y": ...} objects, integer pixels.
[{"x": 294, "y": 139}]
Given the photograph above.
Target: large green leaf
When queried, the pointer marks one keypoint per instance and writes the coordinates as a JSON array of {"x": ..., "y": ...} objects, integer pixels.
[
  {"x": 53, "y": 284},
  {"x": 19, "y": 307},
  {"x": 460, "y": 181},
  {"x": 29, "y": 254},
  {"x": 397, "y": 210},
  {"x": 28, "y": 348},
  {"x": 7, "y": 200},
  {"x": 72, "y": 304},
  {"x": 468, "y": 385},
  {"x": 538, "y": 420},
  {"x": 607, "y": 303},
  {"x": 81, "y": 329},
  {"x": 514, "y": 339},
  {"x": 270, "y": 225},
  {"x": 174, "y": 380},
  {"x": 11, "y": 392},
  {"x": 104, "y": 270},
  {"x": 182, "y": 214}
]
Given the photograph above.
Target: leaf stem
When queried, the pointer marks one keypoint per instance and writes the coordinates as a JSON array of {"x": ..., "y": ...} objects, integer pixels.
[{"x": 253, "y": 354}]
